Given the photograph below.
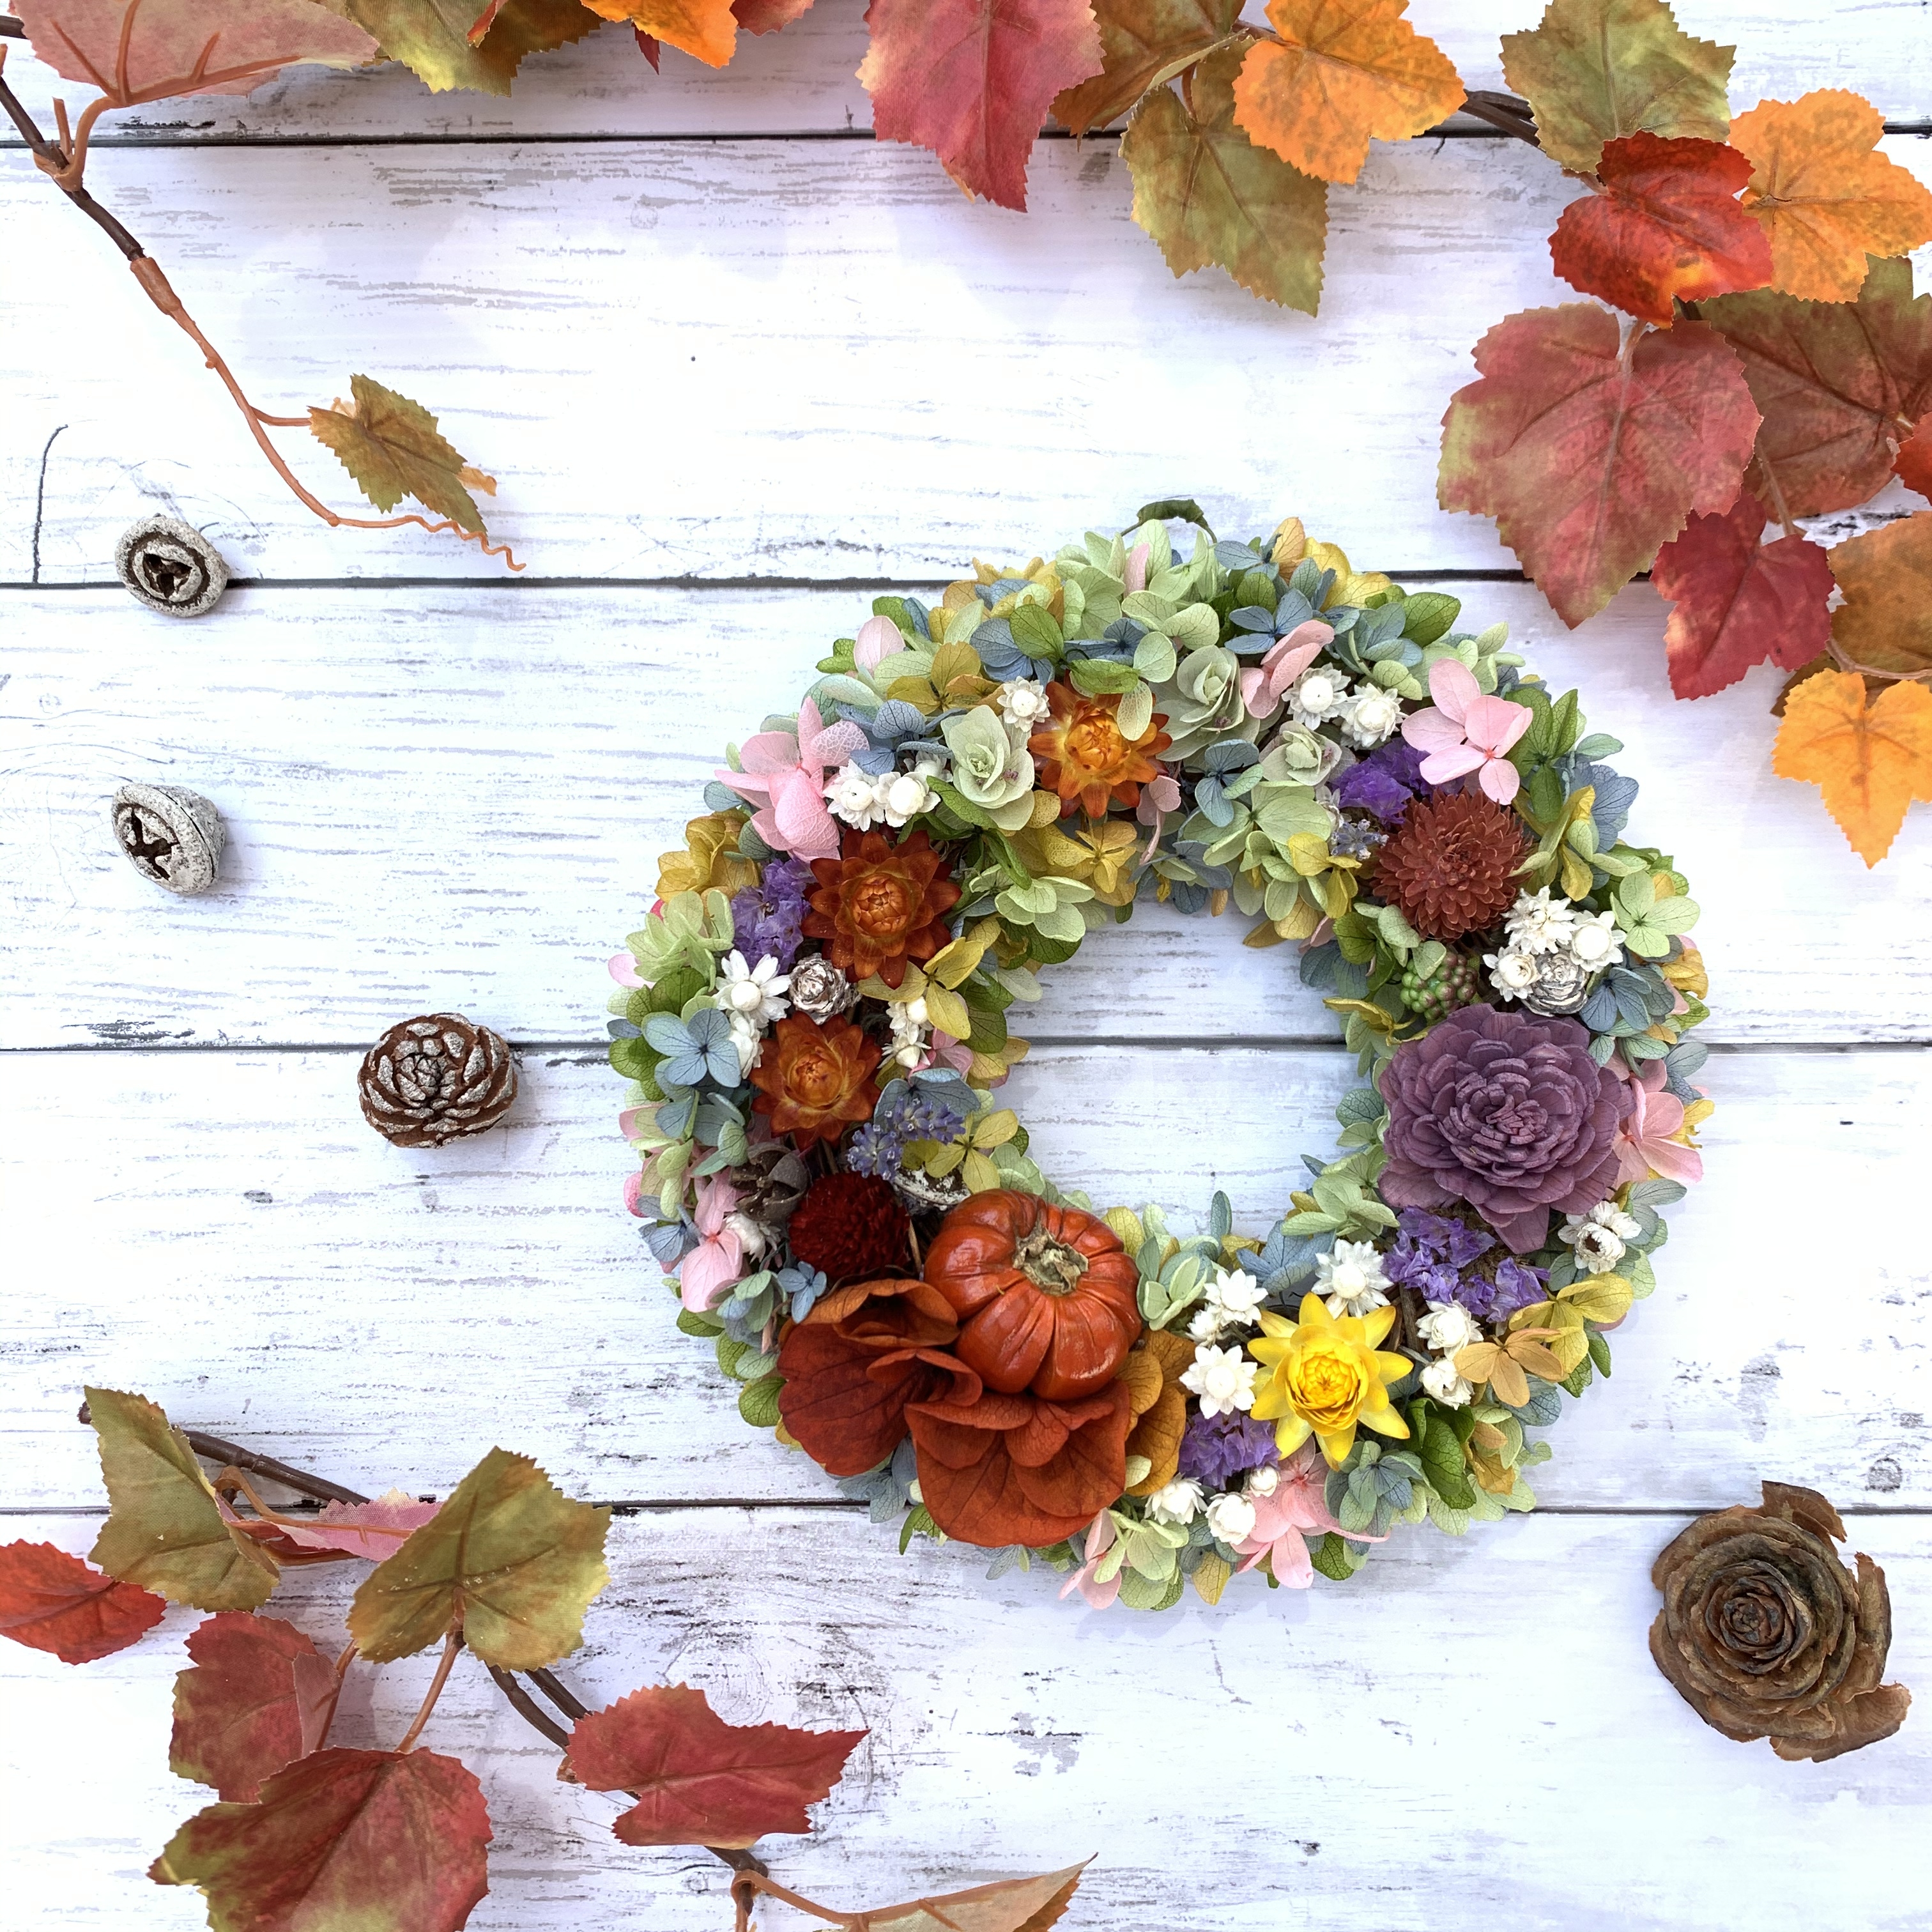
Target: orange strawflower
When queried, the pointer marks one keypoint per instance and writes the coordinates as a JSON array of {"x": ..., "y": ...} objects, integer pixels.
[
  {"x": 814, "y": 1081},
  {"x": 1085, "y": 756},
  {"x": 878, "y": 904}
]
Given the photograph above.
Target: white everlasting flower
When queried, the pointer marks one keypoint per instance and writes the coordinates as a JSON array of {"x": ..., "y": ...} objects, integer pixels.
[
  {"x": 1349, "y": 1277},
  {"x": 1372, "y": 715},
  {"x": 749, "y": 1041},
  {"x": 1233, "y": 1299},
  {"x": 1442, "y": 1381},
  {"x": 853, "y": 796},
  {"x": 753, "y": 994},
  {"x": 1600, "y": 1237},
  {"x": 752, "y": 1237},
  {"x": 1262, "y": 1482},
  {"x": 1223, "y": 1379},
  {"x": 1511, "y": 973},
  {"x": 902, "y": 795},
  {"x": 1023, "y": 704},
  {"x": 1536, "y": 923},
  {"x": 1594, "y": 944},
  {"x": 1448, "y": 1326},
  {"x": 1178, "y": 1501},
  {"x": 1319, "y": 694},
  {"x": 911, "y": 1031},
  {"x": 1230, "y": 1517}
]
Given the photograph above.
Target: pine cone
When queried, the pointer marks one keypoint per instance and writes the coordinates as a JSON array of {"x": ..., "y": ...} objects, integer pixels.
[
  {"x": 436, "y": 1079},
  {"x": 1450, "y": 865}
]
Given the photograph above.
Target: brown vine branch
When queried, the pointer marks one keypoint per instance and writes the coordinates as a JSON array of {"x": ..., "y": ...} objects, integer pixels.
[{"x": 1509, "y": 113}]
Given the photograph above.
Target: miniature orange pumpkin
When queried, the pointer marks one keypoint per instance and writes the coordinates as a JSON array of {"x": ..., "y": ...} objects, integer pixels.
[{"x": 1047, "y": 1298}]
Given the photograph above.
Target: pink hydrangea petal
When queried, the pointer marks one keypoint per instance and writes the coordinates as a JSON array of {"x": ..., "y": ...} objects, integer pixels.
[
  {"x": 765, "y": 751},
  {"x": 716, "y": 1198},
  {"x": 805, "y": 828},
  {"x": 1500, "y": 779},
  {"x": 1674, "y": 1161},
  {"x": 878, "y": 639},
  {"x": 835, "y": 744},
  {"x": 1134, "y": 577},
  {"x": 710, "y": 1268},
  {"x": 627, "y": 1123},
  {"x": 1662, "y": 1116},
  {"x": 1458, "y": 761},
  {"x": 754, "y": 787},
  {"x": 634, "y": 1191},
  {"x": 1495, "y": 724},
  {"x": 1253, "y": 684},
  {"x": 1432, "y": 730},
  {"x": 1453, "y": 686},
  {"x": 624, "y": 970}
]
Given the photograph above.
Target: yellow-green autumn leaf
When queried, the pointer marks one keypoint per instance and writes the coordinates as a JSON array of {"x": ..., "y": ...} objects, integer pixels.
[
  {"x": 948, "y": 1012},
  {"x": 393, "y": 449},
  {"x": 165, "y": 1530},
  {"x": 1601, "y": 1298},
  {"x": 431, "y": 38},
  {"x": 509, "y": 1559},
  {"x": 1207, "y": 194},
  {"x": 1594, "y": 70}
]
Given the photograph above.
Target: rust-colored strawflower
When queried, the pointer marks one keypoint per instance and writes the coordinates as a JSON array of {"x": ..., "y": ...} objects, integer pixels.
[
  {"x": 814, "y": 1081},
  {"x": 1450, "y": 865},
  {"x": 878, "y": 904},
  {"x": 1085, "y": 757}
]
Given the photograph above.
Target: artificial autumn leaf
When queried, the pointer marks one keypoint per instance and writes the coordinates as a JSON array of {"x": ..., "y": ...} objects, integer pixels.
[
  {"x": 1836, "y": 383},
  {"x": 1594, "y": 70},
  {"x": 1886, "y": 621},
  {"x": 697, "y": 1780},
  {"x": 1914, "y": 464},
  {"x": 1666, "y": 228},
  {"x": 259, "y": 1696},
  {"x": 1505, "y": 1367},
  {"x": 372, "y": 1530},
  {"x": 1739, "y": 601},
  {"x": 1870, "y": 762},
  {"x": 1208, "y": 195},
  {"x": 1143, "y": 43},
  {"x": 134, "y": 52},
  {"x": 1827, "y": 199},
  {"x": 1346, "y": 69},
  {"x": 768, "y": 17},
  {"x": 707, "y": 30},
  {"x": 164, "y": 1529},
  {"x": 379, "y": 1841},
  {"x": 431, "y": 38},
  {"x": 1011, "y": 1905},
  {"x": 391, "y": 447},
  {"x": 1590, "y": 451},
  {"x": 52, "y": 1601},
  {"x": 509, "y": 1560},
  {"x": 973, "y": 80}
]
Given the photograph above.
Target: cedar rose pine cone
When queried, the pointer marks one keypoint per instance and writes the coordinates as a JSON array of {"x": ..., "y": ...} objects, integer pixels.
[
  {"x": 1765, "y": 1634},
  {"x": 436, "y": 1079}
]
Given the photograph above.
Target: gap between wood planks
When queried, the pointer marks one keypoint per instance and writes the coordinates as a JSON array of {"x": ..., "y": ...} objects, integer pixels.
[
  {"x": 137, "y": 1038},
  {"x": 845, "y": 1506}
]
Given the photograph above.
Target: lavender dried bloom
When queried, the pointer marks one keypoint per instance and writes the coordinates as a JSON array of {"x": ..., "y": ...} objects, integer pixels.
[
  {"x": 1216, "y": 1449},
  {"x": 768, "y": 919}
]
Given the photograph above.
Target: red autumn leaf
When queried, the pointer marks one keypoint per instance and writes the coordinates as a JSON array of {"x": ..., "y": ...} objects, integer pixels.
[
  {"x": 1834, "y": 381},
  {"x": 259, "y": 1696},
  {"x": 1739, "y": 601},
  {"x": 1914, "y": 466},
  {"x": 767, "y": 16},
  {"x": 1667, "y": 227},
  {"x": 372, "y": 1530},
  {"x": 973, "y": 80},
  {"x": 52, "y": 1601},
  {"x": 1590, "y": 451},
  {"x": 649, "y": 46},
  {"x": 380, "y": 1840},
  {"x": 697, "y": 1780}
]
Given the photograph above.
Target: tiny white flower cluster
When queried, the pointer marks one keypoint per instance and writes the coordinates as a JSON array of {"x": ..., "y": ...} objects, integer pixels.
[
  {"x": 912, "y": 1027},
  {"x": 1448, "y": 1326},
  {"x": 1600, "y": 1237},
  {"x": 1233, "y": 1299},
  {"x": 1230, "y": 1514},
  {"x": 1367, "y": 716},
  {"x": 1349, "y": 1278},
  {"x": 1023, "y": 705},
  {"x": 1538, "y": 930},
  {"x": 893, "y": 798},
  {"x": 1223, "y": 1380},
  {"x": 751, "y": 997}
]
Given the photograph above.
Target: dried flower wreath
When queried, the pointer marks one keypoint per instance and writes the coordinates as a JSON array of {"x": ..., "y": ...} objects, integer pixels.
[{"x": 814, "y": 1015}]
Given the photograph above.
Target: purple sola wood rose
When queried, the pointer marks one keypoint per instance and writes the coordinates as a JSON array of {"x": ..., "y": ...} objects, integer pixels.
[{"x": 1507, "y": 1111}]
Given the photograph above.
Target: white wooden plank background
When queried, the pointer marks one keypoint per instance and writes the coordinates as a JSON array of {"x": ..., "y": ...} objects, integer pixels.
[{"x": 785, "y": 355}]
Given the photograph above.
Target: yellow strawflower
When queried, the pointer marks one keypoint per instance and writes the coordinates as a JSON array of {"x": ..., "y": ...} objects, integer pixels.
[{"x": 1322, "y": 1375}]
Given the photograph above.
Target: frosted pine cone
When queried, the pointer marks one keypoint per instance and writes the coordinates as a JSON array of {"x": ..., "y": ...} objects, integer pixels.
[{"x": 436, "y": 1079}]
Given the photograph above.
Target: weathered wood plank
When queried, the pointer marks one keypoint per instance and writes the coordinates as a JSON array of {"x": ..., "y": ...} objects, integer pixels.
[
  {"x": 222, "y": 1231},
  {"x": 456, "y": 797},
  {"x": 803, "y": 359},
  {"x": 804, "y": 80},
  {"x": 1236, "y": 1768}
]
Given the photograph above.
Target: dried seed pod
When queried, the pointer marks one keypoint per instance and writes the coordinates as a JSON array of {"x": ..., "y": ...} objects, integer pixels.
[
  {"x": 436, "y": 1079},
  {"x": 172, "y": 836},
  {"x": 171, "y": 567}
]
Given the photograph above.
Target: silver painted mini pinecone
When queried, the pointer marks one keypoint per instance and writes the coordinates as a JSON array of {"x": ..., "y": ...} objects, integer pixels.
[
  {"x": 819, "y": 990},
  {"x": 1562, "y": 985}
]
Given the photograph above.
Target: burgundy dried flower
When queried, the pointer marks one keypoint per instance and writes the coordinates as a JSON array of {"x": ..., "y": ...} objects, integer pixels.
[
  {"x": 1507, "y": 1111},
  {"x": 850, "y": 1227}
]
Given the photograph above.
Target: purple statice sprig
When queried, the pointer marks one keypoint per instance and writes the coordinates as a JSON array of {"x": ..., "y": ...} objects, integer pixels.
[
  {"x": 768, "y": 919},
  {"x": 1384, "y": 783},
  {"x": 1216, "y": 1449},
  {"x": 1434, "y": 1254}
]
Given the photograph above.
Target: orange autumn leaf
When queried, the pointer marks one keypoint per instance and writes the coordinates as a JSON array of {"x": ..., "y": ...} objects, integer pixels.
[
  {"x": 1886, "y": 621},
  {"x": 707, "y": 30},
  {"x": 1870, "y": 762},
  {"x": 1827, "y": 199},
  {"x": 1914, "y": 464},
  {"x": 1349, "y": 69}
]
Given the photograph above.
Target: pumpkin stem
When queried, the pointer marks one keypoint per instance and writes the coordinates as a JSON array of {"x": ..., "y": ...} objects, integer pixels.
[{"x": 1051, "y": 1266}]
